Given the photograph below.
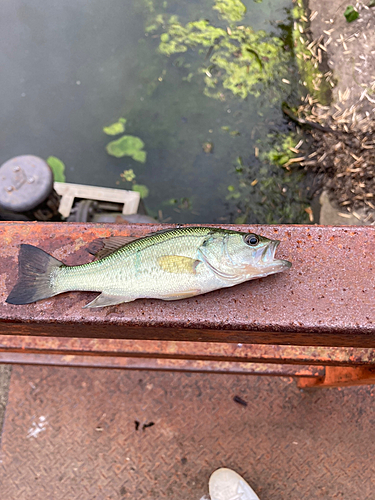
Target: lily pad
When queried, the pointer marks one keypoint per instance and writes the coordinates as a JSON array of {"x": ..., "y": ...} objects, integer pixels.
[
  {"x": 141, "y": 189},
  {"x": 57, "y": 167},
  {"x": 127, "y": 145},
  {"x": 115, "y": 128}
]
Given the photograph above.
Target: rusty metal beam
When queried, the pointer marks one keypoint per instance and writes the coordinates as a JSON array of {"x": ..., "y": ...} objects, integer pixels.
[
  {"x": 164, "y": 364},
  {"x": 210, "y": 351},
  {"x": 326, "y": 299}
]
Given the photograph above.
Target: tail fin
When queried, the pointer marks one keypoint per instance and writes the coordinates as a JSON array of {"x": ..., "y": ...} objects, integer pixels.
[{"x": 34, "y": 276}]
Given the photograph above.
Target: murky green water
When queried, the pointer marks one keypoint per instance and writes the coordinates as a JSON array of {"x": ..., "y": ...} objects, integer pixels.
[{"x": 71, "y": 68}]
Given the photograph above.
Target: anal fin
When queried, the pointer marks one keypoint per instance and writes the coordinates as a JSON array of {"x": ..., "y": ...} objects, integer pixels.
[{"x": 105, "y": 299}]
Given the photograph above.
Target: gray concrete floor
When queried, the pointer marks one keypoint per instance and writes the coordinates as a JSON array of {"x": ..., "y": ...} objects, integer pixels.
[{"x": 5, "y": 372}]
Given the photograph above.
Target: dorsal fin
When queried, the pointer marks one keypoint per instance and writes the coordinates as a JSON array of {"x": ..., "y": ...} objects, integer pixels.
[
  {"x": 162, "y": 231},
  {"x": 105, "y": 246}
]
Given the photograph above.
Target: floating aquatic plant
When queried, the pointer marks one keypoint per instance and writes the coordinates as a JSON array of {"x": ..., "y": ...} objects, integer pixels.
[
  {"x": 57, "y": 167},
  {"x": 115, "y": 128},
  {"x": 282, "y": 150},
  {"x": 141, "y": 189},
  {"x": 128, "y": 175},
  {"x": 238, "y": 59},
  {"x": 127, "y": 145},
  {"x": 232, "y": 58},
  {"x": 230, "y": 10}
]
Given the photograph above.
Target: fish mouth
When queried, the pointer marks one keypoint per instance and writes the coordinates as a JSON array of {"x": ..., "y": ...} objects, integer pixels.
[{"x": 268, "y": 258}]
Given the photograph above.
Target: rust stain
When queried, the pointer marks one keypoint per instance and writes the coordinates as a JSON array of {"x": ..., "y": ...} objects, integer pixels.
[{"x": 340, "y": 377}]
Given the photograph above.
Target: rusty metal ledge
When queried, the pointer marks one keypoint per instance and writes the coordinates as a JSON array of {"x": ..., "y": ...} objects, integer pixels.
[
  {"x": 326, "y": 299},
  {"x": 166, "y": 364},
  {"x": 205, "y": 351}
]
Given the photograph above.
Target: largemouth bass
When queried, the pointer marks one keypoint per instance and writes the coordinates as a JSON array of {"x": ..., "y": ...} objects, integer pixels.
[{"x": 169, "y": 265}]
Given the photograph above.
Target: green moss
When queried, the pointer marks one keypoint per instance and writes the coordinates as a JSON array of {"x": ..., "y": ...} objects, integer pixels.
[
  {"x": 127, "y": 145},
  {"x": 241, "y": 60},
  {"x": 164, "y": 38},
  {"x": 280, "y": 153},
  {"x": 197, "y": 33},
  {"x": 230, "y": 10},
  {"x": 57, "y": 167},
  {"x": 151, "y": 28}
]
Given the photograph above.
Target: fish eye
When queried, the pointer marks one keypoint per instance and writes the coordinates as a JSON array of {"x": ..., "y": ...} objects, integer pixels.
[{"x": 251, "y": 240}]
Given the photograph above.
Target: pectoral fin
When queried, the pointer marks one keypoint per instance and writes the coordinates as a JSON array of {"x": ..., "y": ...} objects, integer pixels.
[
  {"x": 178, "y": 264},
  {"x": 104, "y": 299}
]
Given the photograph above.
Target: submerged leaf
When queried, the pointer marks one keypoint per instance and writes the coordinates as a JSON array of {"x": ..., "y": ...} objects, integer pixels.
[{"x": 57, "y": 167}]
